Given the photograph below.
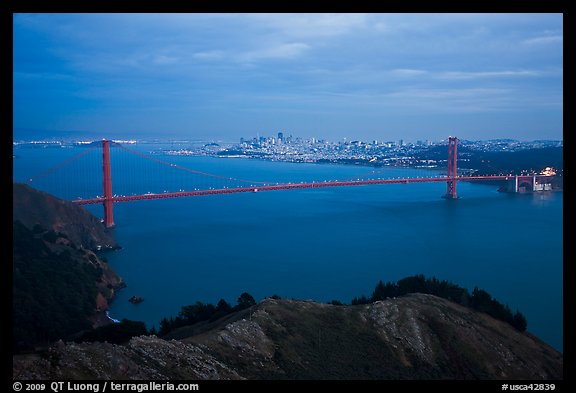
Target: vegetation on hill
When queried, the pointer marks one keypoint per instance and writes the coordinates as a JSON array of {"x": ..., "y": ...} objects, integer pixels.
[
  {"x": 517, "y": 161},
  {"x": 410, "y": 337},
  {"x": 60, "y": 286},
  {"x": 54, "y": 290},
  {"x": 494, "y": 162},
  {"x": 116, "y": 333},
  {"x": 479, "y": 299},
  {"x": 200, "y": 312}
]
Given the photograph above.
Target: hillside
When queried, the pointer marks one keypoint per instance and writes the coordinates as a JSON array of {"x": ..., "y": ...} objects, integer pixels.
[
  {"x": 493, "y": 162},
  {"x": 31, "y": 207},
  {"x": 60, "y": 286},
  {"x": 411, "y": 337}
]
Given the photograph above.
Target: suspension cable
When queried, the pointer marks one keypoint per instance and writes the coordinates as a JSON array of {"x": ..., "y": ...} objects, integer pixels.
[
  {"x": 188, "y": 169},
  {"x": 63, "y": 163}
]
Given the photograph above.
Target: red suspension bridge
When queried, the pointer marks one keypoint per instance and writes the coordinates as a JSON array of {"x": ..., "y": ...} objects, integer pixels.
[{"x": 109, "y": 198}]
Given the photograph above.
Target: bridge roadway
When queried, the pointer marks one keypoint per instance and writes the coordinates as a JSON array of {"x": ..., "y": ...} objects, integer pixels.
[{"x": 284, "y": 186}]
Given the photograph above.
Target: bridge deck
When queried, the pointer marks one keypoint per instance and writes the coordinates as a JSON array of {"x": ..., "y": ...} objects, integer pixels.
[{"x": 278, "y": 187}]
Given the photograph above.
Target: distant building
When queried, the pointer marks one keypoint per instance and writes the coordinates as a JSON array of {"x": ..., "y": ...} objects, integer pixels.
[{"x": 280, "y": 136}]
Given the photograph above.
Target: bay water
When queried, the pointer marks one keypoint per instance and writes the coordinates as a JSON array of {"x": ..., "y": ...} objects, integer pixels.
[{"x": 332, "y": 243}]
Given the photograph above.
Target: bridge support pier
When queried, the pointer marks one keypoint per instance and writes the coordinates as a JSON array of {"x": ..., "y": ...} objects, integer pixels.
[
  {"x": 528, "y": 183},
  {"x": 452, "y": 168},
  {"x": 107, "y": 185}
]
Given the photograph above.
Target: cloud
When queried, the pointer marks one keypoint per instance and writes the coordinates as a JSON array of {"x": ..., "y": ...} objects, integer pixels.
[
  {"x": 544, "y": 40},
  {"x": 209, "y": 55},
  {"x": 280, "y": 51},
  {"x": 42, "y": 75},
  {"x": 465, "y": 100},
  {"x": 454, "y": 75},
  {"x": 408, "y": 72},
  {"x": 311, "y": 25},
  {"x": 162, "y": 59},
  {"x": 330, "y": 63}
]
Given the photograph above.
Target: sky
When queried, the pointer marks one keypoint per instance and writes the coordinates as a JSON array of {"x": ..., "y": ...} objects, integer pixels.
[{"x": 330, "y": 76}]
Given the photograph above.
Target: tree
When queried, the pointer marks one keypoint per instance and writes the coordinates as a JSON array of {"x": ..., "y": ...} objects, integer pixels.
[
  {"x": 360, "y": 300},
  {"x": 195, "y": 313},
  {"x": 480, "y": 300},
  {"x": 245, "y": 301},
  {"x": 519, "y": 322},
  {"x": 384, "y": 291},
  {"x": 223, "y": 306},
  {"x": 412, "y": 284},
  {"x": 379, "y": 292},
  {"x": 165, "y": 326}
]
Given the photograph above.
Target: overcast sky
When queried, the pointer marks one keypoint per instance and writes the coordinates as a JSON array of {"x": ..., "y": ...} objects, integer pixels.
[{"x": 223, "y": 76}]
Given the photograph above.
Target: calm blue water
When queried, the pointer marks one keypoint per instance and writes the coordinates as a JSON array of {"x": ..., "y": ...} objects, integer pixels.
[{"x": 331, "y": 243}]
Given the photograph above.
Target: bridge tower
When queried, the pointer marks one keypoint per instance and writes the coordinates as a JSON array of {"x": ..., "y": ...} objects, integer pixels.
[
  {"x": 452, "y": 168},
  {"x": 107, "y": 185}
]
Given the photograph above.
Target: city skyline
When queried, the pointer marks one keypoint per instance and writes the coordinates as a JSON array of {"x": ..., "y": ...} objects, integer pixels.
[{"x": 333, "y": 76}]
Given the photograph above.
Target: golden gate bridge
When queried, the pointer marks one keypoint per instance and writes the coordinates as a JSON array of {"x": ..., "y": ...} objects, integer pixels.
[{"x": 109, "y": 198}]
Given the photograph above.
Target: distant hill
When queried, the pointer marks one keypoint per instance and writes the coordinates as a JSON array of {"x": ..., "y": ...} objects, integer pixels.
[
  {"x": 411, "y": 337},
  {"x": 492, "y": 162},
  {"x": 60, "y": 286}
]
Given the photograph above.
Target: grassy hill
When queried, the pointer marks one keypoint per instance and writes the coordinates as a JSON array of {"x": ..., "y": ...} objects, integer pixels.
[{"x": 411, "y": 337}]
